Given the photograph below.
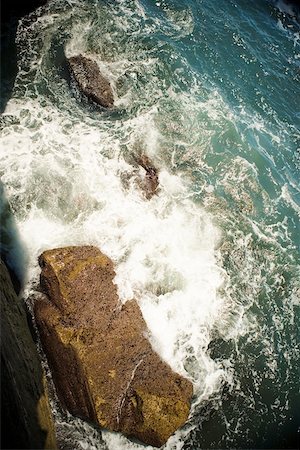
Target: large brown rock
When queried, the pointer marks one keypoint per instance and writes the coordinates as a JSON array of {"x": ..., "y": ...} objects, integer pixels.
[
  {"x": 103, "y": 365},
  {"x": 90, "y": 80},
  {"x": 26, "y": 418}
]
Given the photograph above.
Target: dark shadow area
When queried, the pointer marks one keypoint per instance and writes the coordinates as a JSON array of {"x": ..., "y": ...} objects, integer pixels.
[
  {"x": 26, "y": 419},
  {"x": 11, "y": 12},
  {"x": 290, "y": 11},
  {"x": 266, "y": 430},
  {"x": 12, "y": 252}
]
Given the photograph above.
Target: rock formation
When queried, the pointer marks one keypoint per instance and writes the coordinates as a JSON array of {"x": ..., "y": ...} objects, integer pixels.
[
  {"x": 26, "y": 419},
  {"x": 150, "y": 183},
  {"x": 103, "y": 365},
  {"x": 90, "y": 80}
]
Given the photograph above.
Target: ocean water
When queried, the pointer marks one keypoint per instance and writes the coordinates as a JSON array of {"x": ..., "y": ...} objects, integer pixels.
[{"x": 210, "y": 91}]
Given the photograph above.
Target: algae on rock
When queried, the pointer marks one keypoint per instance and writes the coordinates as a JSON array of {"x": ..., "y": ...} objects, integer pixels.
[{"x": 103, "y": 366}]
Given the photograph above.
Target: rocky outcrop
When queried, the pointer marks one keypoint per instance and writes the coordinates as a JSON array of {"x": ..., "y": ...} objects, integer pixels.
[
  {"x": 150, "y": 182},
  {"x": 26, "y": 419},
  {"x": 90, "y": 80},
  {"x": 103, "y": 365}
]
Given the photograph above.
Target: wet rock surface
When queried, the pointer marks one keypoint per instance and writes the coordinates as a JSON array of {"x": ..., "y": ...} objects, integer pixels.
[
  {"x": 103, "y": 365},
  {"x": 150, "y": 182},
  {"x": 90, "y": 81}
]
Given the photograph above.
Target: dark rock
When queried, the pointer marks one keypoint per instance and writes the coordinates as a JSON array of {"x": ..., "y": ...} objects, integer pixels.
[
  {"x": 90, "y": 80},
  {"x": 150, "y": 183},
  {"x": 103, "y": 366},
  {"x": 26, "y": 419}
]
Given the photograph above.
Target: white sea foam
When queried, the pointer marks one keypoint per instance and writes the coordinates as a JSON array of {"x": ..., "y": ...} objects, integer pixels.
[
  {"x": 285, "y": 194},
  {"x": 69, "y": 193},
  {"x": 71, "y": 178}
]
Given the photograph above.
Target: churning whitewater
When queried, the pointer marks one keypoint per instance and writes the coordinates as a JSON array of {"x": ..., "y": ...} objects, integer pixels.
[{"x": 213, "y": 258}]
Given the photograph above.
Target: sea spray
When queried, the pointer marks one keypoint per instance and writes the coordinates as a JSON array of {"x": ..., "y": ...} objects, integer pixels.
[{"x": 213, "y": 258}]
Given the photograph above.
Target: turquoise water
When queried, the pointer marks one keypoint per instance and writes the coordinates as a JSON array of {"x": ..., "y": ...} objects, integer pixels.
[{"x": 209, "y": 90}]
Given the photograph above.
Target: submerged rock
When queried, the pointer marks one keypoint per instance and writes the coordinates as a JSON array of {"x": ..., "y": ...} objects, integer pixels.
[
  {"x": 26, "y": 419},
  {"x": 103, "y": 366},
  {"x": 150, "y": 182},
  {"x": 90, "y": 80}
]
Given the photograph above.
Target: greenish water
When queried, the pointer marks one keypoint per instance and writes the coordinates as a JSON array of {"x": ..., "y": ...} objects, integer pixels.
[{"x": 210, "y": 92}]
